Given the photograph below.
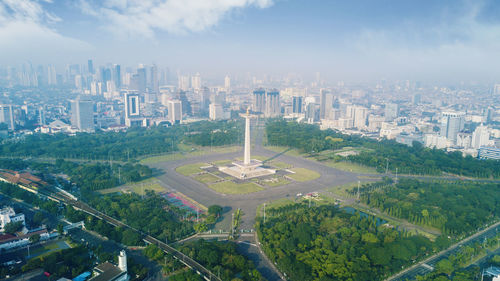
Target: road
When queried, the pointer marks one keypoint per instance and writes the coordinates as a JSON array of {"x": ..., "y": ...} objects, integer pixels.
[{"x": 425, "y": 266}]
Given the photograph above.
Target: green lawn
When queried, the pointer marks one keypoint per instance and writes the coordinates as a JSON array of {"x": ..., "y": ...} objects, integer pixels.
[
  {"x": 302, "y": 174},
  {"x": 273, "y": 204},
  {"x": 190, "y": 169},
  {"x": 350, "y": 167},
  {"x": 138, "y": 187},
  {"x": 275, "y": 182},
  {"x": 187, "y": 151},
  {"x": 206, "y": 178},
  {"x": 222, "y": 162},
  {"x": 229, "y": 187},
  {"x": 280, "y": 165}
]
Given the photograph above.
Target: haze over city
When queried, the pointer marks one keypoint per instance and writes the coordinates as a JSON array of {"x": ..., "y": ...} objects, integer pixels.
[
  {"x": 249, "y": 140},
  {"x": 448, "y": 41}
]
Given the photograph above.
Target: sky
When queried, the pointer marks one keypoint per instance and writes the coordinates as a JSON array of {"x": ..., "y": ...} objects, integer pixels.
[{"x": 431, "y": 40}]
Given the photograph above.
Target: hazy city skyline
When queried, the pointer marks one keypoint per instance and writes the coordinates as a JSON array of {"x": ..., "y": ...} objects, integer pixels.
[{"x": 360, "y": 40}]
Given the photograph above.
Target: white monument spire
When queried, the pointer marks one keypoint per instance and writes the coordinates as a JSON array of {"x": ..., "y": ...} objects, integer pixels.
[{"x": 247, "y": 159}]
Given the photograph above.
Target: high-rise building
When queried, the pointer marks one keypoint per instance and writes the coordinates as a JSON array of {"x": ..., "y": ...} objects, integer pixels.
[
  {"x": 325, "y": 103},
  {"x": 273, "y": 106},
  {"x": 417, "y": 98},
  {"x": 227, "y": 82},
  {"x": 183, "y": 83},
  {"x": 310, "y": 113},
  {"x": 216, "y": 111},
  {"x": 51, "y": 75},
  {"x": 204, "y": 101},
  {"x": 480, "y": 137},
  {"x": 132, "y": 109},
  {"x": 155, "y": 86},
  {"x": 117, "y": 76},
  {"x": 360, "y": 116},
  {"x": 91, "y": 67},
  {"x": 82, "y": 114},
  {"x": 141, "y": 80},
  {"x": 7, "y": 116},
  {"x": 391, "y": 111},
  {"x": 297, "y": 104},
  {"x": 196, "y": 82},
  {"x": 451, "y": 124},
  {"x": 259, "y": 100},
  {"x": 175, "y": 111}
]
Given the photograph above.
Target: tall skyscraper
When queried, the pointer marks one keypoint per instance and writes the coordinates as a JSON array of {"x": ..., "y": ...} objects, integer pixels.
[
  {"x": 91, "y": 67},
  {"x": 227, "y": 82},
  {"x": 196, "y": 81},
  {"x": 183, "y": 82},
  {"x": 259, "y": 100},
  {"x": 297, "y": 104},
  {"x": 7, "y": 116},
  {"x": 216, "y": 111},
  {"x": 175, "y": 111},
  {"x": 186, "y": 104},
  {"x": 82, "y": 114},
  {"x": 117, "y": 76},
  {"x": 141, "y": 82},
  {"x": 451, "y": 124},
  {"x": 325, "y": 103},
  {"x": 51, "y": 75},
  {"x": 480, "y": 137},
  {"x": 391, "y": 111},
  {"x": 272, "y": 104},
  {"x": 155, "y": 86},
  {"x": 204, "y": 101},
  {"x": 132, "y": 105}
]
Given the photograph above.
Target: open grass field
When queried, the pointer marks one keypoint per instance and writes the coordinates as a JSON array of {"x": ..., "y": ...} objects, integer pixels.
[
  {"x": 187, "y": 151},
  {"x": 303, "y": 174},
  {"x": 350, "y": 167},
  {"x": 273, "y": 204},
  {"x": 190, "y": 169},
  {"x": 138, "y": 187},
  {"x": 222, "y": 162},
  {"x": 229, "y": 187},
  {"x": 278, "y": 181},
  {"x": 206, "y": 178}
]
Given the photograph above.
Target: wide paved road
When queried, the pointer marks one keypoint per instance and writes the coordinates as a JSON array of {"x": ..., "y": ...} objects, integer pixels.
[
  {"x": 249, "y": 202},
  {"x": 426, "y": 266}
]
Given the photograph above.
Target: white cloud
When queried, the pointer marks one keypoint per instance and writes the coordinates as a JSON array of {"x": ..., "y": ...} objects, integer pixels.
[
  {"x": 26, "y": 34},
  {"x": 144, "y": 17}
]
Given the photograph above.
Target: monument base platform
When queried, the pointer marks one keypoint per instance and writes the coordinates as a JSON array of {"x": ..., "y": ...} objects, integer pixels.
[{"x": 248, "y": 171}]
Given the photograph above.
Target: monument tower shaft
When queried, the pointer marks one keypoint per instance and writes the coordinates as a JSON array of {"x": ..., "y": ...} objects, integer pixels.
[{"x": 247, "y": 158}]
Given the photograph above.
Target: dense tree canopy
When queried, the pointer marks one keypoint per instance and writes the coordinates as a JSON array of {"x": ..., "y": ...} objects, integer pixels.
[
  {"x": 124, "y": 146},
  {"x": 414, "y": 159},
  {"x": 222, "y": 259},
  {"x": 326, "y": 243},
  {"x": 455, "y": 208}
]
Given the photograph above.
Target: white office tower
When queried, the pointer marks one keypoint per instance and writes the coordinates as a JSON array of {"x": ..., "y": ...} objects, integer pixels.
[
  {"x": 360, "y": 117},
  {"x": 227, "y": 82},
  {"x": 325, "y": 103},
  {"x": 122, "y": 261},
  {"x": 391, "y": 111},
  {"x": 175, "y": 111},
  {"x": 216, "y": 111},
  {"x": 7, "y": 116},
  {"x": 196, "y": 81},
  {"x": 272, "y": 104},
  {"x": 184, "y": 83},
  {"x": 451, "y": 124},
  {"x": 132, "y": 109},
  {"x": 82, "y": 114},
  {"x": 51, "y": 75},
  {"x": 480, "y": 137}
]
